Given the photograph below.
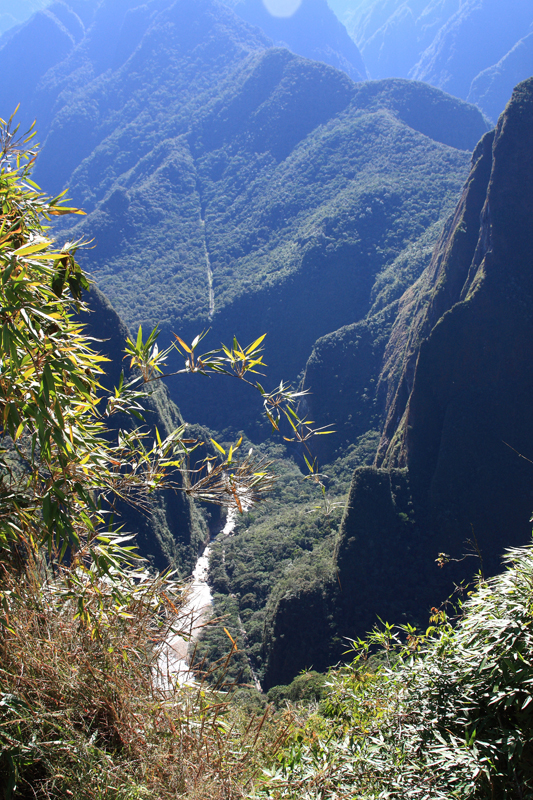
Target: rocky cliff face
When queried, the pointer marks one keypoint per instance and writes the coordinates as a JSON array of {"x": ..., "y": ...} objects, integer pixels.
[
  {"x": 469, "y": 401},
  {"x": 453, "y": 471}
]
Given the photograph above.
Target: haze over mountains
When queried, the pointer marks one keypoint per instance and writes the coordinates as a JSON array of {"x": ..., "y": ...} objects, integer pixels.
[
  {"x": 474, "y": 49},
  {"x": 234, "y": 185}
]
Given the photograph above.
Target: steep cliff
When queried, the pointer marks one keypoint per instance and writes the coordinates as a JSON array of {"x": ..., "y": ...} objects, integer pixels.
[
  {"x": 459, "y": 384},
  {"x": 452, "y": 473}
]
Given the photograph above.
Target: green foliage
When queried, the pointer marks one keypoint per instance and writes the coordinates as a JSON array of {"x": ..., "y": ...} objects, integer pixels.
[
  {"x": 61, "y": 474},
  {"x": 90, "y": 713},
  {"x": 282, "y": 546},
  {"x": 309, "y": 687},
  {"x": 442, "y": 714},
  {"x": 286, "y": 542}
]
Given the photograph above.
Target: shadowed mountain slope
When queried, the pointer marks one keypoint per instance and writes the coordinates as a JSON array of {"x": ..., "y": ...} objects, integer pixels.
[{"x": 455, "y": 381}]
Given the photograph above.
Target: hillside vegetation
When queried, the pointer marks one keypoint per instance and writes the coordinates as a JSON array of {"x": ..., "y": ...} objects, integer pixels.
[{"x": 440, "y": 714}]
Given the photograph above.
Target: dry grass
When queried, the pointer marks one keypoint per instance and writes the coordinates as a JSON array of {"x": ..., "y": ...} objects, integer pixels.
[{"x": 82, "y": 713}]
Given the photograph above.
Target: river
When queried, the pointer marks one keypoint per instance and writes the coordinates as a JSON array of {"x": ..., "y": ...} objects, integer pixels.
[{"x": 173, "y": 663}]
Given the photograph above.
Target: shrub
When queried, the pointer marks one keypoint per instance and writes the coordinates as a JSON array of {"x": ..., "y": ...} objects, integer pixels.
[{"x": 447, "y": 714}]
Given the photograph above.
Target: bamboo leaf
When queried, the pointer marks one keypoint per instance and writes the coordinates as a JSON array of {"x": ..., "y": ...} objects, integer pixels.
[
  {"x": 182, "y": 343},
  {"x": 254, "y": 345},
  {"x": 219, "y": 447}
]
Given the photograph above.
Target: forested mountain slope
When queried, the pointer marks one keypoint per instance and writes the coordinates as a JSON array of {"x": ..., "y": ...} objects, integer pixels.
[
  {"x": 452, "y": 472},
  {"x": 253, "y": 181},
  {"x": 286, "y": 208}
]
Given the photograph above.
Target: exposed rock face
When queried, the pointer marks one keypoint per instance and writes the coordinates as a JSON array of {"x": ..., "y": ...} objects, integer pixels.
[
  {"x": 456, "y": 384},
  {"x": 462, "y": 400}
]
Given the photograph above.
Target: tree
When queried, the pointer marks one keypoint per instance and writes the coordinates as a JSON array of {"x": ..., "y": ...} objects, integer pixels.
[{"x": 60, "y": 472}]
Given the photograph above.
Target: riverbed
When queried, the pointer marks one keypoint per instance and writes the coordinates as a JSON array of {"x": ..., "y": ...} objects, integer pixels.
[{"x": 173, "y": 663}]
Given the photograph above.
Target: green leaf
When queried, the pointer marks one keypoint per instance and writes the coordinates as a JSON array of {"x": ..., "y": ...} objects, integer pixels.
[
  {"x": 254, "y": 345},
  {"x": 32, "y": 248},
  {"x": 219, "y": 447}
]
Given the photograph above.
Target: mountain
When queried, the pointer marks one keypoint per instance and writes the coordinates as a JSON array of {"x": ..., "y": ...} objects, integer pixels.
[
  {"x": 287, "y": 175},
  {"x": 312, "y": 31},
  {"x": 176, "y": 135},
  {"x": 45, "y": 40},
  {"x": 452, "y": 473},
  {"x": 393, "y": 34},
  {"x": 476, "y": 49},
  {"x": 13, "y": 12}
]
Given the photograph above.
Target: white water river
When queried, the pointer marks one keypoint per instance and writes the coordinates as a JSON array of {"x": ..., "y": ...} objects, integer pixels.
[{"x": 173, "y": 664}]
